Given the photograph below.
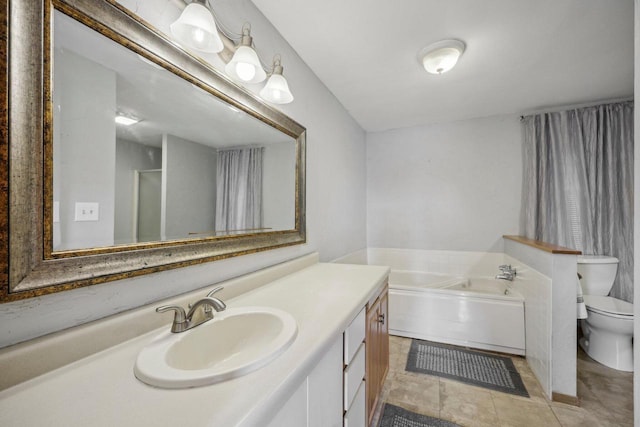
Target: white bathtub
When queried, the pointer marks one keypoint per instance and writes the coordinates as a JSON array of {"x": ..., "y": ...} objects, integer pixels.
[{"x": 472, "y": 312}]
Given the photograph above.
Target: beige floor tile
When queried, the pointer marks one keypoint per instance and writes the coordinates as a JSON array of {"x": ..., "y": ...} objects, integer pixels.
[
  {"x": 533, "y": 386},
  {"x": 611, "y": 393},
  {"x": 466, "y": 405},
  {"x": 521, "y": 413},
  {"x": 571, "y": 416},
  {"x": 421, "y": 395}
]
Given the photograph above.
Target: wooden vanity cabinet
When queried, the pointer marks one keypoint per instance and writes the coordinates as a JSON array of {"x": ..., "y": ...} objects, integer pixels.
[{"x": 377, "y": 349}]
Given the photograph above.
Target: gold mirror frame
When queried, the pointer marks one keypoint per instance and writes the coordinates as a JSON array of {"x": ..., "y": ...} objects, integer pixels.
[{"x": 28, "y": 267}]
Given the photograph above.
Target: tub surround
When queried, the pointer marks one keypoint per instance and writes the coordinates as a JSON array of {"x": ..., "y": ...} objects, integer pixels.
[
  {"x": 453, "y": 263},
  {"x": 549, "y": 288},
  {"x": 323, "y": 298}
]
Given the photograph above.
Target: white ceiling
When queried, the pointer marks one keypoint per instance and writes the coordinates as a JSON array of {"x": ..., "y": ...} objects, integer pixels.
[{"x": 521, "y": 56}]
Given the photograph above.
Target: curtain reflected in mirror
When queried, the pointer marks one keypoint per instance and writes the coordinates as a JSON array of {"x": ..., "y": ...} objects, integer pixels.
[{"x": 239, "y": 192}]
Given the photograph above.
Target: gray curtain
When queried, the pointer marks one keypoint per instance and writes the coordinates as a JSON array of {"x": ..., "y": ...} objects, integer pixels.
[
  {"x": 239, "y": 190},
  {"x": 578, "y": 183}
]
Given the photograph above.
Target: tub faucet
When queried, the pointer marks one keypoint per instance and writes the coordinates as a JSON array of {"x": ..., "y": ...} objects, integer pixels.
[
  {"x": 507, "y": 272},
  {"x": 505, "y": 275}
]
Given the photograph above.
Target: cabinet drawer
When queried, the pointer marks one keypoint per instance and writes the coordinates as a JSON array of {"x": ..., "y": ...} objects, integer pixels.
[
  {"x": 353, "y": 376},
  {"x": 356, "y": 416},
  {"x": 354, "y": 336}
]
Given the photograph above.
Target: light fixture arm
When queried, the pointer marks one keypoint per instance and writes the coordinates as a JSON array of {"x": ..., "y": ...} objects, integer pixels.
[
  {"x": 276, "y": 68},
  {"x": 200, "y": 28}
]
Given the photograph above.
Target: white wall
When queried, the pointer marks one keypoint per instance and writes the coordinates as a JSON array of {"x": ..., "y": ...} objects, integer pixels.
[
  {"x": 450, "y": 186},
  {"x": 336, "y": 178},
  {"x": 130, "y": 156},
  {"x": 279, "y": 186},
  {"x": 85, "y": 100},
  {"x": 188, "y": 188}
]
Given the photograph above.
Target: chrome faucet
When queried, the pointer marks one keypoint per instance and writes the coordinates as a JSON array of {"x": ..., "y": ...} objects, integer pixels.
[
  {"x": 183, "y": 322},
  {"x": 507, "y": 273}
]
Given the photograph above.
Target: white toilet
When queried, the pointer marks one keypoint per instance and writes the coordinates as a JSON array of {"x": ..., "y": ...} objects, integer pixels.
[{"x": 608, "y": 328}]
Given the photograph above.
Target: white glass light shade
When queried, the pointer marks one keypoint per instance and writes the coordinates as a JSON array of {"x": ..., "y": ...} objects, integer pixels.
[
  {"x": 442, "y": 56},
  {"x": 245, "y": 66},
  {"x": 276, "y": 90},
  {"x": 196, "y": 29}
]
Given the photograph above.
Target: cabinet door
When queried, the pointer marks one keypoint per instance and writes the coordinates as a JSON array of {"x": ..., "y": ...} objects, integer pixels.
[
  {"x": 383, "y": 336},
  {"x": 356, "y": 416},
  {"x": 325, "y": 389},
  {"x": 294, "y": 412},
  {"x": 371, "y": 358}
]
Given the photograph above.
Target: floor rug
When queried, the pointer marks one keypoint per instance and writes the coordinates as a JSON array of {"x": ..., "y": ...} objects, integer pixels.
[
  {"x": 468, "y": 366},
  {"x": 395, "y": 416}
]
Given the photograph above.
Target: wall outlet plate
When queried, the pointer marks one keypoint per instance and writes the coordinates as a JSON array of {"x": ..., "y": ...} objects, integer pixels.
[{"x": 87, "y": 211}]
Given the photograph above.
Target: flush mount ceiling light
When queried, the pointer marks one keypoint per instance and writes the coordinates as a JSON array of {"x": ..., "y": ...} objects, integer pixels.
[
  {"x": 277, "y": 90},
  {"x": 245, "y": 65},
  {"x": 197, "y": 29},
  {"x": 126, "y": 121},
  {"x": 441, "y": 56}
]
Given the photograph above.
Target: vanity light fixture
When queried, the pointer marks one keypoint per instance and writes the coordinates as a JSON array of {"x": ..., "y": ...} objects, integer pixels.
[
  {"x": 442, "y": 56},
  {"x": 197, "y": 29},
  {"x": 126, "y": 121},
  {"x": 277, "y": 90},
  {"x": 245, "y": 65}
]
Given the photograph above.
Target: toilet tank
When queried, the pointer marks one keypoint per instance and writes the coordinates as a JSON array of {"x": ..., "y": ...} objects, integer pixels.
[{"x": 598, "y": 273}]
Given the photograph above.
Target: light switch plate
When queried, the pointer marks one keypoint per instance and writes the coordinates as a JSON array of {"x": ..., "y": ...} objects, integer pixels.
[
  {"x": 56, "y": 211},
  {"x": 87, "y": 211}
]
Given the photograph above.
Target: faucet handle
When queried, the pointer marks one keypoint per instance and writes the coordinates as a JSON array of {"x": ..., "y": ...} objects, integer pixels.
[
  {"x": 180, "y": 316},
  {"x": 504, "y": 267},
  {"x": 214, "y": 290},
  {"x": 179, "y": 319}
]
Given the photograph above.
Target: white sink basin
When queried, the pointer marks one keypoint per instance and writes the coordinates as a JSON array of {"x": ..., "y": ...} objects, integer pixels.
[{"x": 236, "y": 342}]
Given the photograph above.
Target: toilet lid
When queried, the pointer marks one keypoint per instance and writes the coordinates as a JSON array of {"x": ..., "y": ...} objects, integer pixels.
[
  {"x": 608, "y": 305},
  {"x": 597, "y": 259}
]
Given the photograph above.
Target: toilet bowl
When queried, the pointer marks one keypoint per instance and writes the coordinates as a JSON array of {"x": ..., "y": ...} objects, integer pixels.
[
  {"x": 608, "y": 332},
  {"x": 608, "y": 328}
]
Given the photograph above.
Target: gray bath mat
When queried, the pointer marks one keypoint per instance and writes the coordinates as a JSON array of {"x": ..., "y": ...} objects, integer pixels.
[
  {"x": 395, "y": 416},
  {"x": 468, "y": 366}
]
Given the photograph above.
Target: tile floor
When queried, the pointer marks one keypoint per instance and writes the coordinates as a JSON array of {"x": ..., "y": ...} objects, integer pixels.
[{"x": 606, "y": 396}]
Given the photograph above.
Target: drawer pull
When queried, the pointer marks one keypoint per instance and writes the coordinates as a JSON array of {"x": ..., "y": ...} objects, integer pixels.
[{"x": 381, "y": 318}]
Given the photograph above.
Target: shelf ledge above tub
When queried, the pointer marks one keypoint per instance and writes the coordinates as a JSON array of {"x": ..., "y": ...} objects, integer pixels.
[{"x": 543, "y": 246}]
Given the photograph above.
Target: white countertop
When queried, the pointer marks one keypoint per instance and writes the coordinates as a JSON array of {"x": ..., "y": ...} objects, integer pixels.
[{"x": 101, "y": 390}]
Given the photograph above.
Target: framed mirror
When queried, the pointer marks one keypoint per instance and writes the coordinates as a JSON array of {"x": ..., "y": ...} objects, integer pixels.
[{"x": 126, "y": 155}]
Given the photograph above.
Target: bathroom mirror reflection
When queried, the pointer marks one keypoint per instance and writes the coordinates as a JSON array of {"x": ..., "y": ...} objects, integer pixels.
[{"x": 142, "y": 155}]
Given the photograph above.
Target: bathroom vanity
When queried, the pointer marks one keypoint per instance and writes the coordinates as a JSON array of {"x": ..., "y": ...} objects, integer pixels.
[{"x": 303, "y": 386}]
